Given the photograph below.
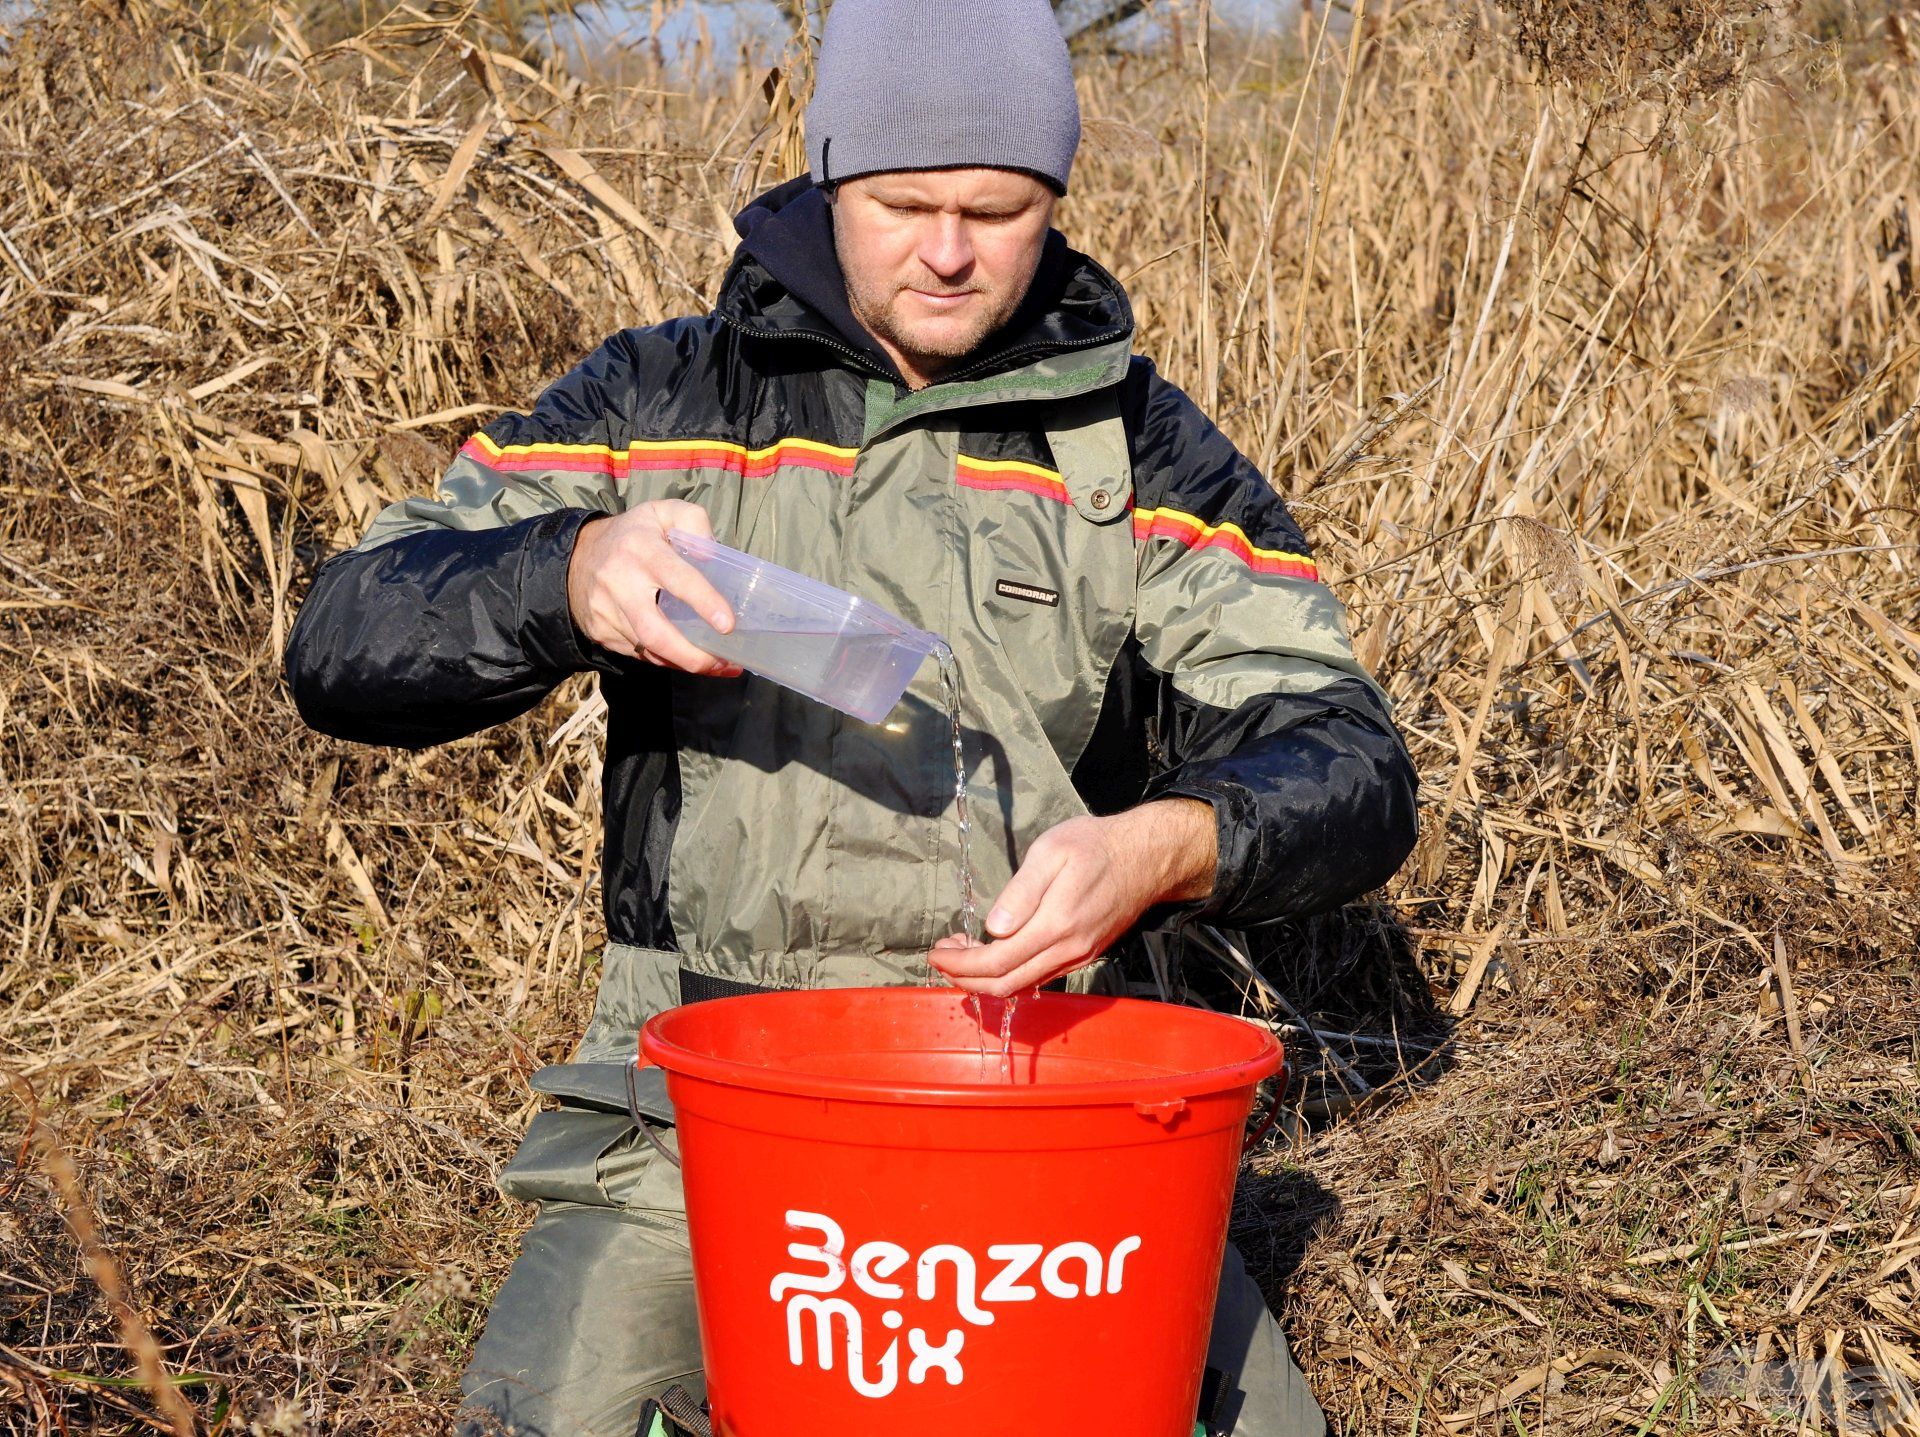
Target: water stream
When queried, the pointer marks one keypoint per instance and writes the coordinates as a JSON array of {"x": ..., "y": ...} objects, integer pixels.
[
  {"x": 950, "y": 690},
  {"x": 969, "y": 912}
]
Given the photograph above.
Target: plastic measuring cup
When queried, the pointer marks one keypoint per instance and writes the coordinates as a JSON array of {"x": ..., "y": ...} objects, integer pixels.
[{"x": 821, "y": 641}]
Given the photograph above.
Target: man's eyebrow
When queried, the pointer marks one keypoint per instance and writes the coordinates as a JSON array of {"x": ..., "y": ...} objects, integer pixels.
[
  {"x": 917, "y": 200},
  {"x": 984, "y": 210}
]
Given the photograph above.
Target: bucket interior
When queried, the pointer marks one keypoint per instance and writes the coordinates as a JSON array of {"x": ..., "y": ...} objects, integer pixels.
[{"x": 924, "y": 1044}]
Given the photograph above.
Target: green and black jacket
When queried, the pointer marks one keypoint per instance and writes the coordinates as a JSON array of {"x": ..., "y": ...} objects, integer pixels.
[{"x": 1135, "y": 613}]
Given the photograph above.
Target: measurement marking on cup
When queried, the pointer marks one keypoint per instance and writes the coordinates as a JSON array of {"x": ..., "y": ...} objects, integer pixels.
[{"x": 1066, "y": 1271}]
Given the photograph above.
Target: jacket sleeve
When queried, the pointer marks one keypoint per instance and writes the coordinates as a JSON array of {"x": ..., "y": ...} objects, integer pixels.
[
  {"x": 451, "y": 614},
  {"x": 1264, "y": 712}
]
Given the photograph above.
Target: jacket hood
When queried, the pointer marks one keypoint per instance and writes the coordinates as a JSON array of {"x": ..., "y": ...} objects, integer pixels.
[{"x": 785, "y": 280}]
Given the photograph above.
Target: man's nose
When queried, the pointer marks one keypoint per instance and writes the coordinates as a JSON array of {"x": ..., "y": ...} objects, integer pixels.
[{"x": 945, "y": 247}]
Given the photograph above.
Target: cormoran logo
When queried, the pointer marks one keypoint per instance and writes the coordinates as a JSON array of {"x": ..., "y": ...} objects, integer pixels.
[{"x": 1032, "y": 593}]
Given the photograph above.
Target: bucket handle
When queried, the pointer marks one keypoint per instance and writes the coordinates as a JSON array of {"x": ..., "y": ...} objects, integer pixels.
[
  {"x": 639, "y": 1119},
  {"x": 1266, "y": 1123}
]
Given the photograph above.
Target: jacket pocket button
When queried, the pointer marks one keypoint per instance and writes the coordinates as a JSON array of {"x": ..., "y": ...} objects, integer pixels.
[{"x": 1101, "y": 498}]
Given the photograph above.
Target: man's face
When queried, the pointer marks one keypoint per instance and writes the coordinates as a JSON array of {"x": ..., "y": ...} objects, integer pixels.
[{"x": 937, "y": 260}]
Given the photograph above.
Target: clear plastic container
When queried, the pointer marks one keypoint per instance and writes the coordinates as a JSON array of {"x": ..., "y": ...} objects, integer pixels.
[{"x": 815, "y": 639}]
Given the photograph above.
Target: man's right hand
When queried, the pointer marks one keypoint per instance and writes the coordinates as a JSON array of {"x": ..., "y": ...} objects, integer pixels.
[{"x": 620, "y": 566}]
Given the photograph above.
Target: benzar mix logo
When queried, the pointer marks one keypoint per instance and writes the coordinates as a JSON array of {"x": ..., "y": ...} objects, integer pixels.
[{"x": 1013, "y": 1272}]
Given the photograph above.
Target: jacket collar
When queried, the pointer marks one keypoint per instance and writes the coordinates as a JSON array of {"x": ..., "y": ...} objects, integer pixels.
[{"x": 785, "y": 283}]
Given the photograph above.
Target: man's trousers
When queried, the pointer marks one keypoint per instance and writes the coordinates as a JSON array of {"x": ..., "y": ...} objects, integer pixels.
[{"x": 597, "y": 1313}]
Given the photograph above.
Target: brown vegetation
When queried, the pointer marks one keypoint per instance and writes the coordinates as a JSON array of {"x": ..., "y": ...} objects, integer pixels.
[{"x": 1596, "y": 392}]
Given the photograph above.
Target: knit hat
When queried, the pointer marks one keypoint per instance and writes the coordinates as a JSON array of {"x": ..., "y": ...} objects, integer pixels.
[{"x": 942, "y": 84}]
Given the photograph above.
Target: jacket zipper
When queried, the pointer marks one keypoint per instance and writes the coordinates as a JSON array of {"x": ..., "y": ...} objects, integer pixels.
[{"x": 839, "y": 346}]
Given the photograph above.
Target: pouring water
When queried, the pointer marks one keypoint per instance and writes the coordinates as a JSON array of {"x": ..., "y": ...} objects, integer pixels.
[{"x": 969, "y": 911}]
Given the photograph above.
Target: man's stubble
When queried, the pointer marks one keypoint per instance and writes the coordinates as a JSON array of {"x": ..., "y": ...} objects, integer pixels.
[{"x": 877, "y": 305}]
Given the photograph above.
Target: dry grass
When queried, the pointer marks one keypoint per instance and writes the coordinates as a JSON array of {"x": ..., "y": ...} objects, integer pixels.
[{"x": 1609, "y": 444}]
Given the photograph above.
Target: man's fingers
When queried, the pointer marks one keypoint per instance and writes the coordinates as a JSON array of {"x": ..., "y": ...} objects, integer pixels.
[
  {"x": 676, "y": 576},
  {"x": 1051, "y": 961},
  {"x": 1021, "y": 898},
  {"x": 1021, "y": 933},
  {"x": 667, "y": 646},
  {"x": 720, "y": 671},
  {"x": 619, "y": 566},
  {"x": 682, "y": 514},
  {"x": 984, "y": 960},
  {"x": 993, "y": 960},
  {"x": 612, "y": 626},
  {"x": 1032, "y": 973}
]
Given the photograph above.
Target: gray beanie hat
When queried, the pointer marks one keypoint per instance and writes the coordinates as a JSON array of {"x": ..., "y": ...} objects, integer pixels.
[{"x": 942, "y": 84}]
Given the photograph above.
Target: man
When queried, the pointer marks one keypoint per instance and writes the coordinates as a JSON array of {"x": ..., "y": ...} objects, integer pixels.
[{"x": 910, "y": 387}]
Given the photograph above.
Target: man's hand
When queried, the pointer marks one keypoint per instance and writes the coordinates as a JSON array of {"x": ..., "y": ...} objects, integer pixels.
[
  {"x": 1083, "y": 884},
  {"x": 620, "y": 565}
]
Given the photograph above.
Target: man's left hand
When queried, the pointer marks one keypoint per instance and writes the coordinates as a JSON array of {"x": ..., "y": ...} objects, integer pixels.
[{"x": 1083, "y": 884}]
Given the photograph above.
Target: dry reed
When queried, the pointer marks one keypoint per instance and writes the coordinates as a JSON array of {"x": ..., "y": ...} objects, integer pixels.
[{"x": 1606, "y": 1113}]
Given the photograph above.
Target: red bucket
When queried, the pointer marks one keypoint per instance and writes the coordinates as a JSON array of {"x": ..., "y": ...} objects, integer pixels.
[{"x": 889, "y": 1238}]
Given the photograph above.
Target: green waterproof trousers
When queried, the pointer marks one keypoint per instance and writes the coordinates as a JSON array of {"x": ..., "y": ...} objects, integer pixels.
[
  {"x": 597, "y": 1314},
  {"x": 811, "y": 851}
]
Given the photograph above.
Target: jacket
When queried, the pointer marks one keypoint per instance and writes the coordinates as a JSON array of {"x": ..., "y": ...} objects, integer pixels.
[{"x": 1132, "y": 605}]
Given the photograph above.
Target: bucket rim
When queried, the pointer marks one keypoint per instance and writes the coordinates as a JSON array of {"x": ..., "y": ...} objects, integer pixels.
[{"x": 681, "y": 1061}]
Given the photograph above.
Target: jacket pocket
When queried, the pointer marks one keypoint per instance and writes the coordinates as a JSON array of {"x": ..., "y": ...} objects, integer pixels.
[
  {"x": 559, "y": 1158},
  {"x": 587, "y": 1151}
]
